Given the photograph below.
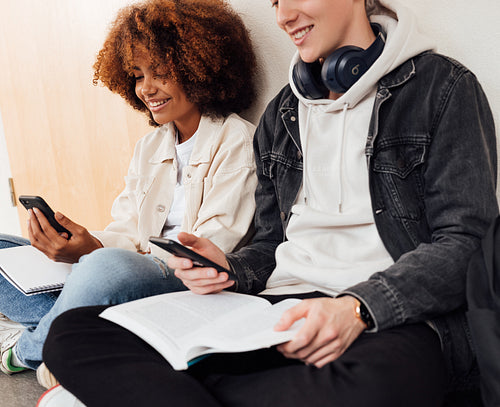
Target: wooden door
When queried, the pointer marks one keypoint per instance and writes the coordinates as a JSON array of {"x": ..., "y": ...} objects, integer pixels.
[{"x": 68, "y": 141}]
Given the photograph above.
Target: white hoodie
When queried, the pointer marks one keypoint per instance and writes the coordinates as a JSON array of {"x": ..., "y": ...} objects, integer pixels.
[{"x": 332, "y": 241}]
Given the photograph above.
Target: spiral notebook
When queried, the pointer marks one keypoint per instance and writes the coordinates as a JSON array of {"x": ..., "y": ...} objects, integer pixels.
[{"x": 31, "y": 271}]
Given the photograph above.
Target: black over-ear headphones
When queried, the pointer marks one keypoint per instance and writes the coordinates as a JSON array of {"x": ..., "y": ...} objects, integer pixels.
[{"x": 339, "y": 71}]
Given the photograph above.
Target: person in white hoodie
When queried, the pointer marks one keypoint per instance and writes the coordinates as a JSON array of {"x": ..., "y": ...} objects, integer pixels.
[{"x": 377, "y": 175}]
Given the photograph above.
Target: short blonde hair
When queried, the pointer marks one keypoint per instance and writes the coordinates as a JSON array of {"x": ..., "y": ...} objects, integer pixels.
[
  {"x": 374, "y": 7},
  {"x": 370, "y": 6}
]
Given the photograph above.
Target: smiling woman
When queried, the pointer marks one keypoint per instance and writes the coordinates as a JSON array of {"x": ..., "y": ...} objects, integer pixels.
[
  {"x": 189, "y": 65},
  {"x": 201, "y": 45}
]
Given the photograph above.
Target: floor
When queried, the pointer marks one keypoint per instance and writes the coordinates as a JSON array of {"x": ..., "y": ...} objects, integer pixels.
[{"x": 19, "y": 390}]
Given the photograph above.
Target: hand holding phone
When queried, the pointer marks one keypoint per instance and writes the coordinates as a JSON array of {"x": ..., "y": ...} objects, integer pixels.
[
  {"x": 30, "y": 202},
  {"x": 182, "y": 251}
]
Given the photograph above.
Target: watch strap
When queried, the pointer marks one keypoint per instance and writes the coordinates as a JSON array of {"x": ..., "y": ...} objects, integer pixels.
[{"x": 363, "y": 314}]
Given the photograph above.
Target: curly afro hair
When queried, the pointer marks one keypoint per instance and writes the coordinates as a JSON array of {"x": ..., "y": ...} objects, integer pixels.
[{"x": 202, "y": 45}]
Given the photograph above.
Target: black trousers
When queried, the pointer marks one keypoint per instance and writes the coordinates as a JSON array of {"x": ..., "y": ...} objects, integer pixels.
[{"x": 105, "y": 365}]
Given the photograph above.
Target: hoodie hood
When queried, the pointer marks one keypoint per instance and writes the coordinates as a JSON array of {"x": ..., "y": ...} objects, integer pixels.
[{"x": 403, "y": 41}]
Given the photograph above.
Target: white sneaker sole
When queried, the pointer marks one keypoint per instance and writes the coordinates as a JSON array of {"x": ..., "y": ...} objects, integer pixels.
[{"x": 58, "y": 396}]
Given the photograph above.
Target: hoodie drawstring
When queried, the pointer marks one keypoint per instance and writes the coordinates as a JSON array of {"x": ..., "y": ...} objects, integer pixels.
[
  {"x": 305, "y": 149},
  {"x": 342, "y": 153}
]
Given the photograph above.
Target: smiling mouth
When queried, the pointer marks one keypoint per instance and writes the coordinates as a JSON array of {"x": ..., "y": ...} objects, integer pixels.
[
  {"x": 300, "y": 34},
  {"x": 157, "y": 103}
]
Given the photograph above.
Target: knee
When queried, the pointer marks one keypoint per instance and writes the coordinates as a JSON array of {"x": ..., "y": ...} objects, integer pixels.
[
  {"x": 65, "y": 334},
  {"x": 106, "y": 256},
  {"x": 102, "y": 264},
  {"x": 104, "y": 275}
]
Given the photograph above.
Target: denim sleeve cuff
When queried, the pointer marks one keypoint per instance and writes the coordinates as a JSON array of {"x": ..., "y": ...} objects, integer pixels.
[
  {"x": 241, "y": 269},
  {"x": 236, "y": 284},
  {"x": 381, "y": 301}
]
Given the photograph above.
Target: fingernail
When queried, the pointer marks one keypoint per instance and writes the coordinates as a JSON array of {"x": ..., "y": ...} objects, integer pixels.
[{"x": 211, "y": 274}]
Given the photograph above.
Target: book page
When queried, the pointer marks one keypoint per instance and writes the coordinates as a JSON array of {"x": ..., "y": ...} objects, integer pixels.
[
  {"x": 31, "y": 271},
  {"x": 167, "y": 321},
  {"x": 251, "y": 329}
]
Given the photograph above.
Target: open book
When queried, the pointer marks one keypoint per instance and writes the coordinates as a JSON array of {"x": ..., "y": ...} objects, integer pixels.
[
  {"x": 182, "y": 326},
  {"x": 31, "y": 271}
]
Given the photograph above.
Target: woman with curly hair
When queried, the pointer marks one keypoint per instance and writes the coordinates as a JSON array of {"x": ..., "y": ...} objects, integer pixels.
[{"x": 189, "y": 66}]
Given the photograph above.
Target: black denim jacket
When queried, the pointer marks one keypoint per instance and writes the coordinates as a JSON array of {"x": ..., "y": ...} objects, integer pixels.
[{"x": 431, "y": 154}]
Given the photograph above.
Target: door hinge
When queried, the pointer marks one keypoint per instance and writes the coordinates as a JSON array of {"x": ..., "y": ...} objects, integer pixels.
[{"x": 12, "y": 192}]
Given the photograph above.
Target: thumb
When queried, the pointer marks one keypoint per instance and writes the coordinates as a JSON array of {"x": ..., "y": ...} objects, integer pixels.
[
  {"x": 204, "y": 247},
  {"x": 64, "y": 221},
  {"x": 290, "y": 316},
  {"x": 188, "y": 239}
]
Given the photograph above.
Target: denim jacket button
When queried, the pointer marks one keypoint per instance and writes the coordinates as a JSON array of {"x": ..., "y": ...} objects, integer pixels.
[
  {"x": 160, "y": 208},
  {"x": 293, "y": 118}
]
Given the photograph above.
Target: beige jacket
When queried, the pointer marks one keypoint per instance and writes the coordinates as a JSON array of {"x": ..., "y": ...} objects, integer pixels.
[{"x": 219, "y": 182}]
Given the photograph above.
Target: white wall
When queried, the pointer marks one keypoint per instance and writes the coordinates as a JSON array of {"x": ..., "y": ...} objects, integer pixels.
[
  {"x": 272, "y": 47},
  {"x": 468, "y": 31},
  {"x": 9, "y": 220},
  {"x": 465, "y": 30}
]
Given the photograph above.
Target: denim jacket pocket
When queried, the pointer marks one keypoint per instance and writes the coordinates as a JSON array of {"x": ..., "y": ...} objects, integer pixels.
[
  {"x": 398, "y": 164},
  {"x": 286, "y": 175}
]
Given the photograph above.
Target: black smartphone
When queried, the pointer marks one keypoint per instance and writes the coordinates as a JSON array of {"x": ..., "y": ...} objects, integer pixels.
[
  {"x": 30, "y": 202},
  {"x": 182, "y": 251}
]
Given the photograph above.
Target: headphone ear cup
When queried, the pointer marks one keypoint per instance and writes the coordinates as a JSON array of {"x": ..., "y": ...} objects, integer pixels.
[
  {"x": 343, "y": 68},
  {"x": 339, "y": 71},
  {"x": 307, "y": 79}
]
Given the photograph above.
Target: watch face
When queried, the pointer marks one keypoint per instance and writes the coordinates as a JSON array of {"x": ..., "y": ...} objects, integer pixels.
[{"x": 366, "y": 316}]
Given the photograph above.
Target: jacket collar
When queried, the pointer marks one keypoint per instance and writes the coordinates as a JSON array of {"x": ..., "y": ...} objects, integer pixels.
[
  {"x": 202, "y": 151},
  {"x": 289, "y": 116},
  {"x": 400, "y": 75}
]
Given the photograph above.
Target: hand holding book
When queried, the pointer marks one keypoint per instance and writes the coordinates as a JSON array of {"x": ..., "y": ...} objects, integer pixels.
[{"x": 183, "y": 326}]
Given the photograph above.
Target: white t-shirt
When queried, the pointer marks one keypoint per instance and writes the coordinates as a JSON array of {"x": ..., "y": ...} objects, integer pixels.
[{"x": 173, "y": 223}]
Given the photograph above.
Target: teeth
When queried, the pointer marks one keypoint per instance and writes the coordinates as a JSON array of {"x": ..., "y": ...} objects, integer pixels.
[
  {"x": 301, "y": 33},
  {"x": 154, "y": 104}
]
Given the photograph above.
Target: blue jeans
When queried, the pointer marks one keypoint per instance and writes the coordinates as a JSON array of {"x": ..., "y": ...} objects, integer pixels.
[{"x": 104, "y": 277}]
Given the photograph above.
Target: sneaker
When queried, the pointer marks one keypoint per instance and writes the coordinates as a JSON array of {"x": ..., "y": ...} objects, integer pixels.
[
  {"x": 6, "y": 323},
  {"x": 8, "y": 338},
  {"x": 45, "y": 378},
  {"x": 58, "y": 396}
]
